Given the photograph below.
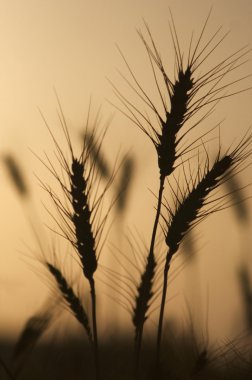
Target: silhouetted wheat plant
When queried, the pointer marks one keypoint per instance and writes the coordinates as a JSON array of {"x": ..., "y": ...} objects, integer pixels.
[
  {"x": 186, "y": 99},
  {"x": 182, "y": 98},
  {"x": 81, "y": 221}
]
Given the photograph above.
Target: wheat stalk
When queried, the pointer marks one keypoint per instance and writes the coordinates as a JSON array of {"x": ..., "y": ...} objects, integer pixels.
[
  {"x": 81, "y": 221},
  {"x": 72, "y": 300},
  {"x": 191, "y": 209},
  {"x": 181, "y": 99}
]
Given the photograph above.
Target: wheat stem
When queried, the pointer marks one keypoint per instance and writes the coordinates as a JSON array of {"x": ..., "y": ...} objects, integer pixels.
[
  {"x": 145, "y": 287},
  {"x": 160, "y": 196},
  {"x": 95, "y": 335},
  {"x": 162, "y": 306}
]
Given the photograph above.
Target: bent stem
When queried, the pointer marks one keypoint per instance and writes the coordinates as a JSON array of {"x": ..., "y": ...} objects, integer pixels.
[
  {"x": 95, "y": 335},
  {"x": 150, "y": 261},
  {"x": 162, "y": 306}
]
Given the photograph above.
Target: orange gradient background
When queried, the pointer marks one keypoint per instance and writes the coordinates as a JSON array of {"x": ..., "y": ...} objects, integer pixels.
[{"x": 71, "y": 46}]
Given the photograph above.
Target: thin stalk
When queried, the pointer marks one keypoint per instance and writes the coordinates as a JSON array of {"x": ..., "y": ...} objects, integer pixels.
[
  {"x": 154, "y": 232},
  {"x": 162, "y": 306},
  {"x": 95, "y": 335},
  {"x": 8, "y": 372},
  {"x": 150, "y": 261}
]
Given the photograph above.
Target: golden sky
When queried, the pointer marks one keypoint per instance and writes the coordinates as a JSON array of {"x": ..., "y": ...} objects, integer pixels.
[{"x": 71, "y": 46}]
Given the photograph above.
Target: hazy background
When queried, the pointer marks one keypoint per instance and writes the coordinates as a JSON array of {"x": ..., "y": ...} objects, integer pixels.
[{"x": 71, "y": 46}]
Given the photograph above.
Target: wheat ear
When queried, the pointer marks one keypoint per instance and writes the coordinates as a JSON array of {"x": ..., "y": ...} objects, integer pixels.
[
  {"x": 195, "y": 206},
  {"x": 72, "y": 301},
  {"x": 81, "y": 222},
  {"x": 81, "y": 219},
  {"x": 193, "y": 89}
]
